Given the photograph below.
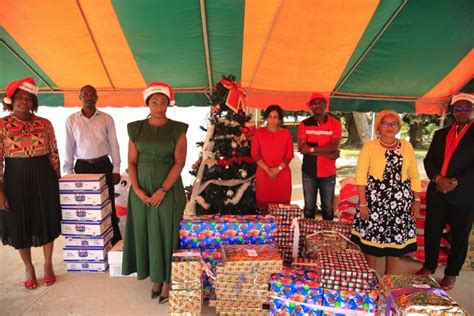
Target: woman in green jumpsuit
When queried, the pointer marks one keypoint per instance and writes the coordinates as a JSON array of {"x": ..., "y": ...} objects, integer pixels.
[{"x": 156, "y": 157}]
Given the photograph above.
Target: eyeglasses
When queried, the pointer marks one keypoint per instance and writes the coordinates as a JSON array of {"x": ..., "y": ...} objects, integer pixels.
[
  {"x": 314, "y": 103},
  {"x": 464, "y": 108},
  {"x": 390, "y": 124}
]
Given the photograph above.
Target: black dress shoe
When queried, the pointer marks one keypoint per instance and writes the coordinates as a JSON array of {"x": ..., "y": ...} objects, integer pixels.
[
  {"x": 163, "y": 299},
  {"x": 155, "y": 294}
]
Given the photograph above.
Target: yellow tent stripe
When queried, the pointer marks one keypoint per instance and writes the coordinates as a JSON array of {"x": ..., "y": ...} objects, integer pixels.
[{"x": 112, "y": 44}]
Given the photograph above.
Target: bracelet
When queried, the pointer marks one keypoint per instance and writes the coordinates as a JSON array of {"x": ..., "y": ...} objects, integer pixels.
[
  {"x": 363, "y": 205},
  {"x": 418, "y": 200},
  {"x": 163, "y": 189}
]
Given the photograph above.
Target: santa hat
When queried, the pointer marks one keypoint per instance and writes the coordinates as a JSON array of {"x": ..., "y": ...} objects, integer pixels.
[
  {"x": 317, "y": 95},
  {"x": 462, "y": 96},
  {"x": 159, "y": 87},
  {"x": 26, "y": 84}
]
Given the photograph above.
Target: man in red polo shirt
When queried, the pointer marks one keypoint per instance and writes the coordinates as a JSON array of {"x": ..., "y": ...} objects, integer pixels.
[{"x": 318, "y": 140}]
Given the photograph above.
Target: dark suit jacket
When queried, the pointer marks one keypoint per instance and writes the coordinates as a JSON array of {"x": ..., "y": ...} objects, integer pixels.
[{"x": 460, "y": 167}]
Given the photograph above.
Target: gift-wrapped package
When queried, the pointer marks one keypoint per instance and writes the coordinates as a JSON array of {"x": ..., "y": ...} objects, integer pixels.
[
  {"x": 185, "y": 301},
  {"x": 300, "y": 292},
  {"x": 186, "y": 269},
  {"x": 212, "y": 231},
  {"x": 416, "y": 295},
  {"x": 250, "y": 260},
  {"x": 328, "y": 240}
]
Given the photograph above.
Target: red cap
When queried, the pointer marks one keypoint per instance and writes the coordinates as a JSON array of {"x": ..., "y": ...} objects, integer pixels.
[
  {"x": 317, "y": 95},
  {"x": 26, "y": 84},
  {"x": 159, "y": 87}
]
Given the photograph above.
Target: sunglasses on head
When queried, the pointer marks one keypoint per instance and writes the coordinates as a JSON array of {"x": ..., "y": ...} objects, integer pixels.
[
  {"x": 390, "y": 124},
  {"x": 463, "y": 108}
]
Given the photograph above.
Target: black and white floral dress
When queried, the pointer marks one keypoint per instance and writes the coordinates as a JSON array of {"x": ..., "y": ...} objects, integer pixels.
[{"x": 390, "y": 228}]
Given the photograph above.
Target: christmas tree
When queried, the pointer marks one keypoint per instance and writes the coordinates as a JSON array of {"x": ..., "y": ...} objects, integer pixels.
[{"x": 225, "y": 171}]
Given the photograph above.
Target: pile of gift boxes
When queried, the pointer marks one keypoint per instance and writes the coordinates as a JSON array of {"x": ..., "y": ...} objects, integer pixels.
[
  {"x": 209, "y": 232},
  {"x": 86, "y": 221},
  {"x": 186, "y": 283}
]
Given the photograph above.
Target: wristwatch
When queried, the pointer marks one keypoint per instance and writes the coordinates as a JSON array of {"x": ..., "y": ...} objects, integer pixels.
[
  {"x": 163, "y": 189},
  {"x": 311, "y": 149},
  {"x": 280, "y": 168}
]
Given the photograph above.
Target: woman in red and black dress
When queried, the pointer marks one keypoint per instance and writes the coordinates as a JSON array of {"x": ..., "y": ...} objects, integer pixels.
[
  {"x": 272, "y": 149},
  {"x": 29, "y": 198}
]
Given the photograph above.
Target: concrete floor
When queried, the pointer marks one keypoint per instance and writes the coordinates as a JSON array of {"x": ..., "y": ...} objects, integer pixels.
[{"x": 97, "y": 293}]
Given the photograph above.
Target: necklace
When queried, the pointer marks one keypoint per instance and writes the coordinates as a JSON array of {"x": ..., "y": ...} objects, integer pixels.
[{"x": 388, "y": 145}]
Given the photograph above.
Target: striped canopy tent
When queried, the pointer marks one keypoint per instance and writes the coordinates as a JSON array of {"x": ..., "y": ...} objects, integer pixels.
[{"x": 408, "y": 55}]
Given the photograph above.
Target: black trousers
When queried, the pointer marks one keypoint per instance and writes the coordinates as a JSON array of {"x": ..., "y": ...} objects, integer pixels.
[
  {"x": 104, "y": 166},
  {"x": 440, "y": 212}
]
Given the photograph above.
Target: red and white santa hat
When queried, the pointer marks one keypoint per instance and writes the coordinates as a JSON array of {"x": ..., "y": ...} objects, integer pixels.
[
  {"x": 159, "y": 87},
  {"x": 26, "y": 84},
  {"x": 462, "y": 96}
]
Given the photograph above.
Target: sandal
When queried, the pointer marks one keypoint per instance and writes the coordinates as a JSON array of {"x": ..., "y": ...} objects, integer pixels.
[
  {"x": 49, "y": 280},
  {"x": 30, "y": 284},
  {"x": 447, "y": 283}
]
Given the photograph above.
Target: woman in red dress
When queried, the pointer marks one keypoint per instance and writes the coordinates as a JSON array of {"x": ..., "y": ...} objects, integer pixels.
[{"x": 272, "y": 149}]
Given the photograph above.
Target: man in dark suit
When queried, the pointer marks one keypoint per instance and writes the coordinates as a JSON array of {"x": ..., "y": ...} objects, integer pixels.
[{"x": 449, "y": 164}]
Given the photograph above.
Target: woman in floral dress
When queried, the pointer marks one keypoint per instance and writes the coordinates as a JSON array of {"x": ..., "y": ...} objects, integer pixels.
[{"x": 388, "y": 184}]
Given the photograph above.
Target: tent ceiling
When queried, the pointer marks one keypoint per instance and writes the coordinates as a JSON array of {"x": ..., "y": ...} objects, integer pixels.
[{"x": 368, "y": 54}]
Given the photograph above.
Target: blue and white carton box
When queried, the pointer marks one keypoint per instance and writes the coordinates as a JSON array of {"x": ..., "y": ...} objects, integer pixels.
[
  {"x": 89, "y": 241},
  {"x": 82, "y": 182},
  {"x": 86, "y": 253},
  {"x": 75, "y": 228},
  {"x": 87, "y": 213},
  {"x": 86, "y": 265},
  {"x": 83, "y": 198}
]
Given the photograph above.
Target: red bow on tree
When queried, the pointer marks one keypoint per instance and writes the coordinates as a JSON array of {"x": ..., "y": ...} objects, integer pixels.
[{"x": 236, "y": 96}]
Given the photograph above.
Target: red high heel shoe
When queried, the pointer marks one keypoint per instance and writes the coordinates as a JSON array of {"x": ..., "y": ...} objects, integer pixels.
[
  {"x": 30, "y": 284},
  {"x": 447, "y": 283},
  {"x": 49, "y": 280}
]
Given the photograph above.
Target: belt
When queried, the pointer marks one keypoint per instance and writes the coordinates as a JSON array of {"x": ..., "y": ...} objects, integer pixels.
[{"x": 94, "y": 160}]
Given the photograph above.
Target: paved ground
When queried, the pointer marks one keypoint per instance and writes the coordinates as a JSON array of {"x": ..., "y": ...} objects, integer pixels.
[{"x": 91, "y": 294}]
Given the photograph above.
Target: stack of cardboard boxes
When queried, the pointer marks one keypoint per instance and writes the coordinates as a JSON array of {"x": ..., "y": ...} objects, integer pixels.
[{"x": 86, "y": 225}]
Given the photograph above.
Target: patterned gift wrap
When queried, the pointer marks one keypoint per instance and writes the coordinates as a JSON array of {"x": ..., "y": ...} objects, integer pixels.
[
  {"x": 308, "y": 226},
  {"x": 416, "y": 295},
  {"x": 235, "y": 303},
  {"x": 299, "y": 292},
  {"x": 284, "y": 215},
  {"x": 212, "y": 231},
  {"x": 186, "y": 270},
  {"x": 235, "y": 311},
  {"x": 211, "y": 258},
  {"x": 235, "y": 294},
  {"x": 185, "y": 301},
  {"x": 336, "y": 268},
  {"x": 250, "y": 259},
  {"x": 328, "y": 240}
]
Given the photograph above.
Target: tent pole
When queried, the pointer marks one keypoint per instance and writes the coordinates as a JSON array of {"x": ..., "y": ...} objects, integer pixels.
[{"x": 206, "y": 43}]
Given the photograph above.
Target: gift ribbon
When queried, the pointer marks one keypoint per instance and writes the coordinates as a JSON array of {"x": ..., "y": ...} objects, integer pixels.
[
  {"x": 236, "y": 96},
  {"x": 397, "y": 293},
  {"x": 333, "y": 310},
  {"x": 296, "y": 236}
]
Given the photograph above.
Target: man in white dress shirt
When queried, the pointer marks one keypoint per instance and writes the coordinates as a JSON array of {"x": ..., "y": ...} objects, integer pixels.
[{"x": 90, "y": 140}]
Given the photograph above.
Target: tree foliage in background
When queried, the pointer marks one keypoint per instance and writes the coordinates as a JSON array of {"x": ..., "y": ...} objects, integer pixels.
[{"x": 229, "y": 160}]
